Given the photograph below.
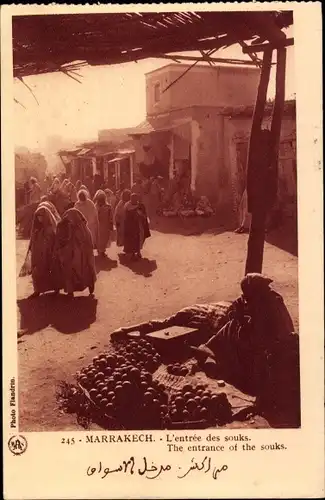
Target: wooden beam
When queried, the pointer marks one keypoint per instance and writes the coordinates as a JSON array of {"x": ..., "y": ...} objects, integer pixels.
[
  {"x": 212, "y": 59},
  {"x": 262, "y": 47},
  {"x": 256, "y": 168},
  {"x": 252, "y": 55},
  {"x": 186, "y": 71},
  {"x": 264, "y": 24}
]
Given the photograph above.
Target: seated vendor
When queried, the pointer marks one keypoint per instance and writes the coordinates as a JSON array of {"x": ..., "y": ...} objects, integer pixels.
[
  {"x": 256, "y": 326},
  {"x": 171, "y": 210},
  {"x": 203, "y": 207},
  {"x": 187, "y": 208}
]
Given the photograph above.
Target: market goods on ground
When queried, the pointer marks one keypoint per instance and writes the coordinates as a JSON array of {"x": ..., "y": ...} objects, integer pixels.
[{"x": 119, "y": 390}]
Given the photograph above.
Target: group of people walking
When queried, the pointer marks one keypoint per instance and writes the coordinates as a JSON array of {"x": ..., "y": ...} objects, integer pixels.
[{"x": 68, "y": 225}]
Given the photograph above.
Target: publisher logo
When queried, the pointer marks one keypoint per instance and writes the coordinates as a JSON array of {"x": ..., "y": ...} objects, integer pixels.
[{"x": 17, "y": 445}]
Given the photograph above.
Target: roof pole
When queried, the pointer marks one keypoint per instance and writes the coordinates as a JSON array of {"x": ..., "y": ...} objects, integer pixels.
[
  {"x": 262, "y": 168},
  {"x": 256, "y": 169}
]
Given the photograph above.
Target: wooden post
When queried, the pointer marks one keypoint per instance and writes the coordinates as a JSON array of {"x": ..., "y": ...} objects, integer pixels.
[
  {"x": 255, "y": 171},
  {"x": 278, "y": 106},
  {"x": 265, "y": 167}
]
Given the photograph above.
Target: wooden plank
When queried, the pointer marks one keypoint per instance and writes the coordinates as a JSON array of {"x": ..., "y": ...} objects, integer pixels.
[{"x": 262, "y": 47}]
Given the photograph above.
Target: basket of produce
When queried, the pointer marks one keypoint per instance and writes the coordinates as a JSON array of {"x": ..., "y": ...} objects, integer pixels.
[{"x": 122, "y": 389}]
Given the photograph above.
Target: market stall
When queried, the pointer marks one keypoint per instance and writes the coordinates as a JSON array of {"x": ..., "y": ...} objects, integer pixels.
[{"x": 148, "y": 378}]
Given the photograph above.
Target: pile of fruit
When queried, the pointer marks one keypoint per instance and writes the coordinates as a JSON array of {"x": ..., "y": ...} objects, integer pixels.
[
  {"x": 197, "y": 403},
  {"x": 124, "y": 390},
  {"x": 140, "y": 352},
  {"x": 177, "y": 369},
  {"x": 117, "y": 390}
]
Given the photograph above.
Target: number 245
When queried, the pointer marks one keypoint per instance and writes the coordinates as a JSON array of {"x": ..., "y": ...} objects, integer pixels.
[{"x": 67, "y": 441}]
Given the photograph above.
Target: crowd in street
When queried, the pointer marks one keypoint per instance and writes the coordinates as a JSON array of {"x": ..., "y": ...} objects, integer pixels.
[{"x": 70, "y": 223}]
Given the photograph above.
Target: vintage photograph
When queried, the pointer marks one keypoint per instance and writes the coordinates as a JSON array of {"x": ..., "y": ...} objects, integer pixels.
[{"x": 156, "y": 220}]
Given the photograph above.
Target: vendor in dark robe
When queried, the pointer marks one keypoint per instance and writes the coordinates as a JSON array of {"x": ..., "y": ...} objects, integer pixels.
[
  {"x": 249, "y": 350},
  {"x": 136, "y": 227}
]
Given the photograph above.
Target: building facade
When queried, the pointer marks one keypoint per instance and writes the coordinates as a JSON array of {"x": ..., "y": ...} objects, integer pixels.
[{"x": 198, "y": 124}]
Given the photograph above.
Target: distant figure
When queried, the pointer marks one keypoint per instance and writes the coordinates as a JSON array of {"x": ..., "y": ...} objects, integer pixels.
[
  {"x": 203, "y": 207},
  {"x": 119, "y": 217},
  {"x": 153, "y": 199},
  {"x": 47, "y": 204},
  {"x": 137, "y": 188},
  {"x": 72, "y": 193},
  {"x": 89, "y": 185},
  {"x": 48, "y": 181},
  {"x": 35, "y": 191},
  {"x": 84, "y": 188},
  {"x": 26, "y": 192},
  {"x": 110, "y": 198},
  {"x": 78, "y": 185},
  {"x": 62, "y": 176},
  {"x": 97, "y": 182},
  {"x": 105, "y": 220},
  {"x": 58, "y": 198},
  {"x": 88, "y": 209},
  {"x": 74, "y": 247},
  {"x": 244, "y": 216},
  {"x": 32, "y": 196},
  {"x": 40, "y": 261},
  {"x": 64, "y": 187},
  {"x": 188, "y": 206},
  {"x": 136, "y": 227}
]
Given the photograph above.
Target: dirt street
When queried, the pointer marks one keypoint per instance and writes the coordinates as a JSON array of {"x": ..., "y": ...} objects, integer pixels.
[{"x": 58, "y": 336}]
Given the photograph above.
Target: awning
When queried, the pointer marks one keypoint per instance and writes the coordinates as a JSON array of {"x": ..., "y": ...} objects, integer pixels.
[
  {"x": 159, "y": 124},
  {"x": 83, "y": 152},
  {"x": 118, "y": 158},
  {"x": 125, "y": 152},
  {"x": 66, "y": 152}
]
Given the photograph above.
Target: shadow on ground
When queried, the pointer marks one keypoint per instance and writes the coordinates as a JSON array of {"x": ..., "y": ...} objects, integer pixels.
[
  {"x": 191, "y": 226},
  {"x": 285, "y": 238},
  {"x": 104, "y": 263},
  {"x": 66, "y": 315},
  {"x": 143, "y": 267}
]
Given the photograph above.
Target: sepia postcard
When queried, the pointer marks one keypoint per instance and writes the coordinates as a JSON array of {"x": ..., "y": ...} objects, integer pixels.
[{"x": 162, "y": 265}]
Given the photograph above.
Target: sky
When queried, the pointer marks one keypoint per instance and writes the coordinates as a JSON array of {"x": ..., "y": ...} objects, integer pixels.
[{"x": 109, "y": 97}]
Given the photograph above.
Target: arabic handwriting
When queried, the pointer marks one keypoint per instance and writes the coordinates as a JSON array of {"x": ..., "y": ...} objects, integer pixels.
[
  {"x": 153, "y": 471},
  {"x": 217, "y": 471},
  {"x": 91, "y": 471},
  {"x": 153, "y": 468},
  {"x": 198, "y": 466},
  {"x": 128, "y": 466}
]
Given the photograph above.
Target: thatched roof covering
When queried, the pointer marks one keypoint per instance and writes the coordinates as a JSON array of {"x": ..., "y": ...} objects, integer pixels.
[{"x": 48, "y": 43}]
